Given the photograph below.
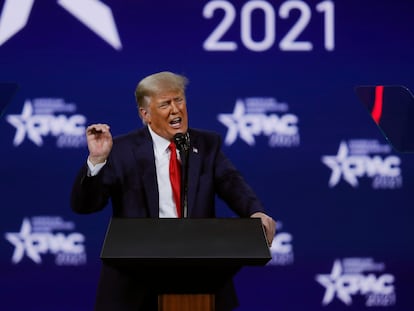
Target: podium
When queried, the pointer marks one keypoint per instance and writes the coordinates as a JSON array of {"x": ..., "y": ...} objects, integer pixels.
[{"x": 185, "y": 261}]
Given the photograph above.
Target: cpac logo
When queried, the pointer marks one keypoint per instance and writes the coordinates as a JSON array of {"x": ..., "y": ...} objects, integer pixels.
[
  {"x": 281, "y": 249},
  {"x": 282, "y": 130},
  {"x": 377, "y": 288},
  {"x": 92, "y": 13},
  {"x": 33, "y": 244},
  {"x": 36, "y": 126},
  {"x": 282, "y": 243},
  {"x": 386, "y": 172}
]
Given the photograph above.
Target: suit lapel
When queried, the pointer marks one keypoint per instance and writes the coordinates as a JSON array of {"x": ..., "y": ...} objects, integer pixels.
[{"x": 144, "y": 155}]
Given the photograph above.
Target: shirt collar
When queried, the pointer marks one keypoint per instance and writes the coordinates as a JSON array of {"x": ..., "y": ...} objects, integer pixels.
[{"x": 160, "y": 143}]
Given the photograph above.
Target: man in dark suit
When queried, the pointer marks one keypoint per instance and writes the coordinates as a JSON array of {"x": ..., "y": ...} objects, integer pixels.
[{"x": 133, "y": 171}]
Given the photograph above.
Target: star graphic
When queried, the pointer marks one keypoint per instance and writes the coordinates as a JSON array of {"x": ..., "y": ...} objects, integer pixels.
[
  {"x": 329, "y": 282},
  {"x": 237, "y": 125},
  {"x": 22, "y": 242},
  {"x": 94, "y": 14},
  {"x": 335, "y": 163},
  {"x": 24, "y": 123}
]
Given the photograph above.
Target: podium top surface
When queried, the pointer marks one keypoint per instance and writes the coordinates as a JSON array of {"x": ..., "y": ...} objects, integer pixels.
[{"x": 209, "y": 241}]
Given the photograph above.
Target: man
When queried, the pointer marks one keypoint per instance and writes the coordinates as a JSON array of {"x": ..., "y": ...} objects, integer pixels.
[{"x": 133, "y": 171}]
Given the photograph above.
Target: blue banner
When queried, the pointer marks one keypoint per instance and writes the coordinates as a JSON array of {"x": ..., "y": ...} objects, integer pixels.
[{"x": 276, "y": 79}]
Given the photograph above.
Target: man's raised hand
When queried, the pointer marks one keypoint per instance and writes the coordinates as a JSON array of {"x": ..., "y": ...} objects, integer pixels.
[{"x": 99, "y": 141}]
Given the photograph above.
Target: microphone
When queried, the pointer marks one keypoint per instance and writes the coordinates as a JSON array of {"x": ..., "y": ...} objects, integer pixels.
[{"x": 182, "y": 142}]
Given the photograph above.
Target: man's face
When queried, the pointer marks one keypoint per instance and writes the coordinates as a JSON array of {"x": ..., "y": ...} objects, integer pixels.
[{"x": 167, "y": 114}]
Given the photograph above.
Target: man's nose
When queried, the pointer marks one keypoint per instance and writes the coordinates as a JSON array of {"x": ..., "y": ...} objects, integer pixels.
[{"x": 174, "y": 107}]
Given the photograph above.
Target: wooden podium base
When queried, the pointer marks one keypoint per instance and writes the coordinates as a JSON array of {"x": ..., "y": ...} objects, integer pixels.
[{"x": 185, "y": 302}]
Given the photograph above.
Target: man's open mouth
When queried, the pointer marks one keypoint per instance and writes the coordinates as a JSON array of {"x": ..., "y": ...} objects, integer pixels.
[{"x": 176, "y": 122}]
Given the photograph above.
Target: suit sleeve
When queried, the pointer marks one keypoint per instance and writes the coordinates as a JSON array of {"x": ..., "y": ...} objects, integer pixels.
[
  {"x": 89, "y": 194},
  {"x": 232, "y": 188}
]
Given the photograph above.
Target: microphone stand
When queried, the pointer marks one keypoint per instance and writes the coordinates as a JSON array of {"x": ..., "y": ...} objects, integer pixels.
[{"x": 182, "y": 142}]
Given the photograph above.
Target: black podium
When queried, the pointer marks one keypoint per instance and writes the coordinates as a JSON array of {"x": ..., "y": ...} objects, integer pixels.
[{"x": 185, "y": 260}]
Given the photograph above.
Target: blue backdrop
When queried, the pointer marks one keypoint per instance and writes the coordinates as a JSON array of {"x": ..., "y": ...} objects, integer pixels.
[{"x": 275, "y": 78}]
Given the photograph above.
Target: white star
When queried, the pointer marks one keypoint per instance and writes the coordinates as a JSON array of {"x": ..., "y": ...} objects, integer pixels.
[
  {"x": 23, "y": 123},
  {"x": 335, "y": 163},
  {"x": 329, "y": 282},
  {"x": 94, "y": 14},
  {"x": 97, "y": 17},
  {"x": 14, "y": 17},
  {"x": 22, "y": 242},
  {"x": 237, "y": 125}
]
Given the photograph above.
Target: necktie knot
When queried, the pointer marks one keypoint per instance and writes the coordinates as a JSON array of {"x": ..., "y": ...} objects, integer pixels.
[
  {"x": 172, "y": 147},
  {"x": 175, "y": 177}
]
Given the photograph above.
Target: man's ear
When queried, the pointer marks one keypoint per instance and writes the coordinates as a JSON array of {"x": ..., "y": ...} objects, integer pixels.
[{"x": 144, "y": 115}]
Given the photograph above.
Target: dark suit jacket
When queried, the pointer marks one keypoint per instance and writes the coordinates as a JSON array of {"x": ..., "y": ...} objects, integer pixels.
[{"x": 129, "y": 179}]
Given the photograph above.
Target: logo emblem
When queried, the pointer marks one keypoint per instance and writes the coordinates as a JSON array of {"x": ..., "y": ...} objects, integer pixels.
[
  {"x": 94, "y": 14},
  {"x": 360, "y": 158},
  {"x": 349, "y": 278},
  {"x": 259, "y": 116},
  {"x": 49, "y": 117},
  {"x": 38, "y": 237}
]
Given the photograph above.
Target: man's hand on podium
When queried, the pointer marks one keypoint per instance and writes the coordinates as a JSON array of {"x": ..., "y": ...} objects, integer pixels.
[{"x": 269, "y": 225}]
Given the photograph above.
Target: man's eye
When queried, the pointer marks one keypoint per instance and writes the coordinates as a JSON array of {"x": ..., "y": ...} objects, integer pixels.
[{"x": 163, "y": 105}]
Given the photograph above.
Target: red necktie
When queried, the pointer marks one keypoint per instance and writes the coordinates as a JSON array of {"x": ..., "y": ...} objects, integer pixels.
[{"x": 175, "y": 177}]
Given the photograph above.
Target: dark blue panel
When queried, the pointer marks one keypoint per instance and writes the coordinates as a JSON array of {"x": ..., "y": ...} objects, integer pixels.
[{"x": 277, "y": 82}]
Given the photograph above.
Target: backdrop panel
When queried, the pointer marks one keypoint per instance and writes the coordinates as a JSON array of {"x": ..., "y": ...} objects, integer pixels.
[{"x": 276, "y": 79}]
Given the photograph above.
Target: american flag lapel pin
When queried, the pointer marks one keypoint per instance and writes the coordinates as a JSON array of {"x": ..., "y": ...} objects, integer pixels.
[{"x": 195, "y": 150}]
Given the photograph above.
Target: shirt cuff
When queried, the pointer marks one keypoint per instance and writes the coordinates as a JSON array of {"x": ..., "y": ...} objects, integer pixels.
[{"x": 93, "y": 170}]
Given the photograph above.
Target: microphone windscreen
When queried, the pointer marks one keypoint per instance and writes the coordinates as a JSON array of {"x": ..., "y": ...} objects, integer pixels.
[{"x": 180, "y": 141}]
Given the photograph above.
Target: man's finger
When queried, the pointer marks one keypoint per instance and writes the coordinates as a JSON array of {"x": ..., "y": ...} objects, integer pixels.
[{"x": 97, "y": 129}]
